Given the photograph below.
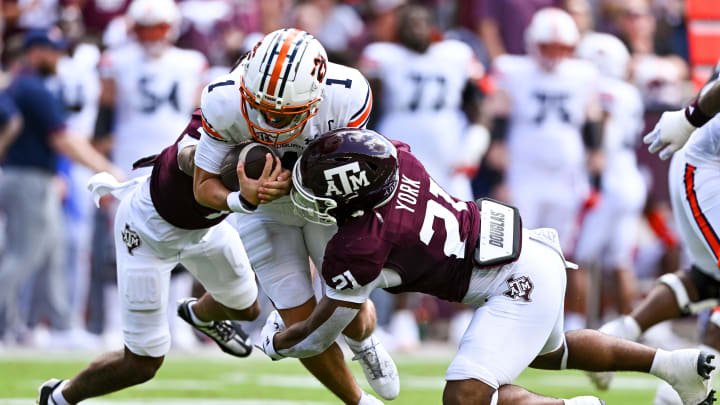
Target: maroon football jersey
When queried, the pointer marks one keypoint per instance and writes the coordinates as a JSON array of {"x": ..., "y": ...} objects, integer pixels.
[
  {"x": 423, "y": 233},
  {"x": 171, "y": 189}
]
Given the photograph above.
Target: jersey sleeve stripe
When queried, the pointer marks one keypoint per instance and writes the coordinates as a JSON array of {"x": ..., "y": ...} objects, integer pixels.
[
  {"x": 280, "y": 61},
  {"x": 213, "y": 133},
  {"x": 367, "y": 96},
  {"x": 705, "y": 228},
  {"x": 359, "y": 121}
]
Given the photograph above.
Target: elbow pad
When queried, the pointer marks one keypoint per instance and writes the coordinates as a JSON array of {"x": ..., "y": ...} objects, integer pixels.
[
  {"x": 105, "y": 121},
  {"x": 592, "y": 134},
  {"x": 499, "y": 128}
]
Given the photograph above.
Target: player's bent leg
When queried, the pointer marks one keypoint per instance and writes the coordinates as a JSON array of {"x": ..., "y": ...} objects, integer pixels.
[
  {"x": 666, "y": 300},
  {"x": 108, "y": 373},
  {"x": 687, "y": 370},
  {"x": 377, "y": 364},
  {"x": 470, "y": 391},
  {"x": 221, "y": 265},
  {"x": 328, "y": 367}
]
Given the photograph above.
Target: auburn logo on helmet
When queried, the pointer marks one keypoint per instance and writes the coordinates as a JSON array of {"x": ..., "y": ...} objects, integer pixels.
[{"x": 320, "y": 66}]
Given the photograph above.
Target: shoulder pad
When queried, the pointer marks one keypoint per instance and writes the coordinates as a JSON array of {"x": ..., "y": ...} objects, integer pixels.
[
  {"x": 220, "y": 105},
  {"x": 349, "y": 96}
]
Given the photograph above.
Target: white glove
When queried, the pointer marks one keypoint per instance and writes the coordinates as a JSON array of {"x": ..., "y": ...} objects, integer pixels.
[
  {"x": 273, "y": 325},
  {"x": 670, "y": 133}
]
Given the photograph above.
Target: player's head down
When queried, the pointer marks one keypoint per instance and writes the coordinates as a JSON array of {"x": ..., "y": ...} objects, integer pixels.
[
  {"x": 344, "y": 173},
  {"x": 551, "y": 37},
  {"x": 282, "y": 85},
  {"x": 154, "y": 23}
]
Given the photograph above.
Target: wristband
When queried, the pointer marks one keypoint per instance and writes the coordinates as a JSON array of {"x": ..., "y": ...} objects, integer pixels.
[
  {"x": 237, "y": 203},
  {"x": 695, "y": 116}
]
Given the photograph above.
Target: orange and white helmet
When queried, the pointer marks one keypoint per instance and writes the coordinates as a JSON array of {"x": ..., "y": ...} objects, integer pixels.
[
  {"x": 606, "y": 52},
  {"x": 154, "y": 22},
  {"x": 551, "y": 37},
  {"x": 282, "y": 85}
]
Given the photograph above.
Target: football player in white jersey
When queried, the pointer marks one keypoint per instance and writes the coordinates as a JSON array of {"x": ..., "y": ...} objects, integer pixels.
[
  {"x": 551, "y": 118},
  {"x": 610, "y": 229},
  {"x": 694, "y": 185},
  {"x": 285, "y": 93},
  {"x": 149, "y": 86},
  {"x": 423, "y": 90}
]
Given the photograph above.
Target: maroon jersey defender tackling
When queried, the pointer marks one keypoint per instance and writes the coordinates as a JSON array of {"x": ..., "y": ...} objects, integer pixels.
[{"x": 398, "y": 230}]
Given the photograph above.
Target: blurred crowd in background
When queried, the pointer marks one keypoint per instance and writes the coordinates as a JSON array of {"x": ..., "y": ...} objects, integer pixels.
[{"x": 65, "y": 296}]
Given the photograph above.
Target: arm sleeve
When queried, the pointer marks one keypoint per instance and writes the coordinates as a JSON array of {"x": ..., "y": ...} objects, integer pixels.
[
  {"x": 323, "y": 336},
  {"x": 210, "y": 153}
]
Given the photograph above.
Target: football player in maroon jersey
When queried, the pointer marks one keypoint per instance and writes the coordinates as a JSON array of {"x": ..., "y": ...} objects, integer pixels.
[{"x": 399, "y": 230}]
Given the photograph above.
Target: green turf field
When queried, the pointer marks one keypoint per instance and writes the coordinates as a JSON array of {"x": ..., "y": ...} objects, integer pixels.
[{"x": 221, "y": 380}]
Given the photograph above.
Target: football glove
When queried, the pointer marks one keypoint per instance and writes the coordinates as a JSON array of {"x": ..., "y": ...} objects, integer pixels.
[
  {"x": 669, "y": 134},
  {"x": 273, "y": 325}
]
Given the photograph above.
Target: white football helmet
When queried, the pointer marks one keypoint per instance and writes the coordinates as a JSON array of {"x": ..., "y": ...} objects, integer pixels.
[
  {"x": 551, "y": 37},
  {"x": 154, "y": 23},
  {"x": 606, "y": 52},
  {"x": 282, "y": 85}
]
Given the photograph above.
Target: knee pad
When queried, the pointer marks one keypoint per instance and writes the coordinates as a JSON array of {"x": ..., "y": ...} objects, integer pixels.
[{"x": 708, "y": 289}]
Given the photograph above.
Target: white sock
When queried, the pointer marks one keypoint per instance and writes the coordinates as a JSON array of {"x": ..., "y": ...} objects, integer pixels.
[
  {"x": 661, "y": 363},
  {"x": 359, "y": 345},
  {"x": 197, "y": 321},
  {"x": 57, "y": 395}
]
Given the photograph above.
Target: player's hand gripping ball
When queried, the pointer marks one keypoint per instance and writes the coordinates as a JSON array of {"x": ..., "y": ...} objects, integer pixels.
[{"x": 253, "y": 154}]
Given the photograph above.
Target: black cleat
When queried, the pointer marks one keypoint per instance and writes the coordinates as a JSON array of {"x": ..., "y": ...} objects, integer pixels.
[
  {"x": 229, "y": 335},
  {"x": 710, "y": 399},
  {"x": 704, "y": 364},
  {"x": 45, "y": 391}
]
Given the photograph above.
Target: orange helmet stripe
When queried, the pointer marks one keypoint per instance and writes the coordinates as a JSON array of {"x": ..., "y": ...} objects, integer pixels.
[{"x": 280, "y": 60}]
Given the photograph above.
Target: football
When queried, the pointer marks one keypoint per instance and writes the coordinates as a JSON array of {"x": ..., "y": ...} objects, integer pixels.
[{"x": 253, "y": 154}]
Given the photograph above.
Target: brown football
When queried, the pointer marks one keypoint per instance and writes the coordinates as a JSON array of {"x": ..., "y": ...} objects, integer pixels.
[{"x": 253, "y": 154}]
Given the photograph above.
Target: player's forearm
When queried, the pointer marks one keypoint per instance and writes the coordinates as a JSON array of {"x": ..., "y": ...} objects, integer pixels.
[
  {"x": 709, "y": 100},
  {"x": 315, "y": 334},
  {"x": 81, "y": 151},
  {"x": 210, "y": 192}
]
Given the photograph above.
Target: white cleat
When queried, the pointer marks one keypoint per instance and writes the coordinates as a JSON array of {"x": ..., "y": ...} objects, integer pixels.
[
  {"x": 690, "y": 376},
  {"x": 623, "y": 327},
  {"x": 584, "y": 400},
  {"x": 379, "y": 368}
]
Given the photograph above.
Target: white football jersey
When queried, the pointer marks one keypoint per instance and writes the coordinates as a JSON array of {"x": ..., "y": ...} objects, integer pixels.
[
  {"x": 154, "y": 98},
  {"x": 347, "y": 102},
  {"x": 703, "y": 147},
  {"x": 422, "y": 99},
  {"x": 623, "y": 128},
  {"x": 548, "y": 110}
]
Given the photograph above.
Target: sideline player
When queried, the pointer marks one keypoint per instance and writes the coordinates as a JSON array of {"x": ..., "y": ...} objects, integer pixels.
[
  {"x": 158, "y": 225},
  {"x": 285, "y": 93},
  {"x": 399, "y": 230},
  {"x": 428, "y": 97},
  {"x": 694, "y": 181},
  {"x": 552, "y": 119},
  {"x": 609, "y": 231}
]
